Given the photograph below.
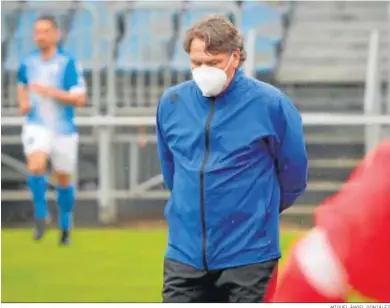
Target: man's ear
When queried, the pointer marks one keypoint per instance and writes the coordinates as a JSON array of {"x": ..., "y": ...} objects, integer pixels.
[
  {"x": 59, "y": 35},
  {"x": 236, "y": 59}
]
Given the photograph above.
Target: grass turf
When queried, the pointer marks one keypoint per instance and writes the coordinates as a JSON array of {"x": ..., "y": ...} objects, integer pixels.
[{"x": 101, "y": 266}]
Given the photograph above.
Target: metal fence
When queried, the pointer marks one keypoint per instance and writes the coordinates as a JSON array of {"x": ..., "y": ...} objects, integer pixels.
[{"x": 116, "y": 171}]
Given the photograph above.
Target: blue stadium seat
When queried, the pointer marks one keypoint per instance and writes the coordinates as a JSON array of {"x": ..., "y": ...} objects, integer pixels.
[
  {"x": 100, "y": 8},
  {"x": 265, "y": 55},
  {"x": 22, "y": 42},
  {"x": 4, "y": 28},
  {"x": 193, "y": 16},
  {"x": 142, "y": 53},
  {"x": 84, "y": 42},
  {"x": 145, "y": 44},
  {"x": 157, "y": 23},
  {"x": 139, "y": 19},
  {"x": 257, "y": 14},
  {"x": 180, "y": 61},
  {"x": 216, "y": 6}
]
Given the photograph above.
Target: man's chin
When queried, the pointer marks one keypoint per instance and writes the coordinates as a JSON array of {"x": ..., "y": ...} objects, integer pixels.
[{"x": 42, "y": 47}]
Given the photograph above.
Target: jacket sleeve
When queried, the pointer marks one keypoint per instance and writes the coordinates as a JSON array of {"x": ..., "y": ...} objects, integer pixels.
[
  {"x": 291, "y": 156},
  {"x": 165, "y": 155}
]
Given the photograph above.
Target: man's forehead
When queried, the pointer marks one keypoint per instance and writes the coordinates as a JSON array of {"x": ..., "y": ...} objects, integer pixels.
[
  {"x": 198, "y": 45},
  {"x": 198, "y": 51},
  {"x": 204, "y": 56},
  {"x": 43, "y": 24}
]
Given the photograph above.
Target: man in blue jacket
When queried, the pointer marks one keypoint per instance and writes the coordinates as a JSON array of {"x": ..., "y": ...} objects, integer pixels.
[{"x": 232, "y": 153}]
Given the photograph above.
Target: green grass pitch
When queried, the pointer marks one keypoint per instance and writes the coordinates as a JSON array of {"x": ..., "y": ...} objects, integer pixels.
[{"x": 118, "y": 265}]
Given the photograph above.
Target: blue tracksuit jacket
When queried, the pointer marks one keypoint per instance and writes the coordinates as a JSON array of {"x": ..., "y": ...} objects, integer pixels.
[{"x": 232, "y": 163}]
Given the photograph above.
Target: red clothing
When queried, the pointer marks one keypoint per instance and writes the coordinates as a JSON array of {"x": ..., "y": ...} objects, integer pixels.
[{"x": 356, "y": 224}]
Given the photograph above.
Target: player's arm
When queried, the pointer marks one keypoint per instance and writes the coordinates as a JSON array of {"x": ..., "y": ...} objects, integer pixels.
[
  {"x": 74, "y": 92},
  {"x": 291, "y": 156},
  {"x": 22, "y": 90},
  {"x": 165, "y": 155}
]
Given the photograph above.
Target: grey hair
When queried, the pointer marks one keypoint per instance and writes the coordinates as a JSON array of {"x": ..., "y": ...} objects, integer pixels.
[{"x": 219, "y": 35}]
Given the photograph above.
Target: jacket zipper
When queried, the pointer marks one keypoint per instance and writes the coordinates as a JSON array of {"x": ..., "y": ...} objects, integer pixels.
[{"x": 202, "y": 188}]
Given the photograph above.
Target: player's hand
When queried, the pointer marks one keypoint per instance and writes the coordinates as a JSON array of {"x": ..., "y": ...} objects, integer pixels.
[
  {"x": 41, "y": 90},
  {"x": 142, "y": 140},
  {"x": 24, "y": 108},
  {"x": 142, "y": 136}
]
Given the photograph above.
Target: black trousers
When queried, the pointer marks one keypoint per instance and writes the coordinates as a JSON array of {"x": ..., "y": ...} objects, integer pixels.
[{"x": 244, "y": 284}]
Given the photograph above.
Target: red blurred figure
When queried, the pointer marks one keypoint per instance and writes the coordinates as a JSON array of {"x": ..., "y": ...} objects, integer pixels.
[{"x": 350, "y": 244}]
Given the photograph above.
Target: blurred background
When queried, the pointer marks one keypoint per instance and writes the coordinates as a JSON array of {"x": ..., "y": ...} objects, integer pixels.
[{"x": 331, "y": 57}]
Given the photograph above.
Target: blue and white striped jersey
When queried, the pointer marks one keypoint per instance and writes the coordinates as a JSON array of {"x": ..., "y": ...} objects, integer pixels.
[{"x": 60, "y": 72}]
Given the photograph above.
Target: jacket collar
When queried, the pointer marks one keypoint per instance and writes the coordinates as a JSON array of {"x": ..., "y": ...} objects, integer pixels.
[{"x": 234, "y": 83}]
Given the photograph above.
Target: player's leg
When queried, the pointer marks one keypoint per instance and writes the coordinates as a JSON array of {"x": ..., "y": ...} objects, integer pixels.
[
  {"x": 64, "y": 160},
  {"x": 185, "y": 284},
  {"x": 248, "y": 284},
  {"x": 36, "y": 144}
]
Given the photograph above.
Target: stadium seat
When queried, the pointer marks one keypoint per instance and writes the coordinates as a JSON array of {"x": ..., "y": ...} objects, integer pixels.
[
  {"x": 265, "y": 55},
  {"x": 215, "y": 5},
  {"x": 256, "y": 15},
  {"x": 4, "y": 28},
  {"x": 180, "y": 61},
  {"x": 196, "y": 10},
  {"x": 194, "y": 15},
  {"x": 99, "y": 8},
  {"x": 272, "y": 30},
  {"x": 142, "y": 53},
  {"x": 157, "y": 23},
  {"x": 85, "y": 43},
  {"x": 144, "y": 46},
  {"x": 22, "y": 42},
  {"x": 139, "y": 19}
]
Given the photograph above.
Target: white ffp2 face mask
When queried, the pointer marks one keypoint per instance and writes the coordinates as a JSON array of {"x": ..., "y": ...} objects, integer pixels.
[{"x": 209, "y": 79}]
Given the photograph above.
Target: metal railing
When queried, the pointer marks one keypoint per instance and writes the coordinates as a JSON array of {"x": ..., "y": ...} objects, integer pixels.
[
  {"x": 372, "y": 95},
  {"x": 388, "y": 61},
  {"x": 109, "y": 165}
]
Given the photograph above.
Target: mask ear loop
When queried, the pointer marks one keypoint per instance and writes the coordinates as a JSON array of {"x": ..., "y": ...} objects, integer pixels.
[{"x": 230, "y": 62}]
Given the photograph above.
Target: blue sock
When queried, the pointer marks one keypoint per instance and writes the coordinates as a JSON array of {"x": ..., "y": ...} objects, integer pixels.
[
  {"x": 38, "y": 186},
  {"x": 65, "y": 199}
]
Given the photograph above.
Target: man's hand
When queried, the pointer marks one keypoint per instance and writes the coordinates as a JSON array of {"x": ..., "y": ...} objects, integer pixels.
[
  {"x": 41, "y": 90},
  {"x": 142, "y": 137},
  {"x": 24, "y": 108},
  {"x": 23, "y": 99},
  {"x": 65, "y": 97},
  {"x": 142, "y": 141}
]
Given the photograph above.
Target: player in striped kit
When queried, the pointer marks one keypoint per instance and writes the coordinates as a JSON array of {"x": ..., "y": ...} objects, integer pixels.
[
  {"x": 50, "y": 85},
  {"x": 350, "y": 244}
]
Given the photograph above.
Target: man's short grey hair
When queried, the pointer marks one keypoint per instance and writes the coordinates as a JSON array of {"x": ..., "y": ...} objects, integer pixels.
[{"x": 219, "y": 34}]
